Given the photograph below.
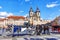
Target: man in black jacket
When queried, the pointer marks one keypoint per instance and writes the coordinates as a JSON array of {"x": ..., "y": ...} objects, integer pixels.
[
  {"x": 46, "y": 30},
  {"x": 38, "y": 29}
]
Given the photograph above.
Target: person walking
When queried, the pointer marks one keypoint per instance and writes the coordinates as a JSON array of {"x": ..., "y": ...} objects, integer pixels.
[
  {"x": 46, "y": 30},
  {"x": 38, "y": 29}
]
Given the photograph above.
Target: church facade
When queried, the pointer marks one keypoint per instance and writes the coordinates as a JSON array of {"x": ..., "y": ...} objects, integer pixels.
[{"x": 34, "y": 17}]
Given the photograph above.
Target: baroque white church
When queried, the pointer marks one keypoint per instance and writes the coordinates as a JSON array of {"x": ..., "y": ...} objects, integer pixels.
[{"x": 34, "y": 17}]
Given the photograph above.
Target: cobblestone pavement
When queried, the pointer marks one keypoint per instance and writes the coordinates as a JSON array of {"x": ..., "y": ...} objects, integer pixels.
[{"x": 55, "y": 36}]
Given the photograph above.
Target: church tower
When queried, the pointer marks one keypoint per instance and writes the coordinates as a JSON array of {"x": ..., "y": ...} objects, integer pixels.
[
  {"x": 31, "y": 15},
  {"x": 38, "y": 14},
  {"x": 31, "y": 12},
  {"x": 34, "y": 17}
]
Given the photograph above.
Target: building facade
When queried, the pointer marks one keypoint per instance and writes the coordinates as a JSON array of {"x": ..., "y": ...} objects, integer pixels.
[
  {"x": 56, "y": 24},
  {"x": 34, "y": 17},
  {"x": 12, "y": 20}
]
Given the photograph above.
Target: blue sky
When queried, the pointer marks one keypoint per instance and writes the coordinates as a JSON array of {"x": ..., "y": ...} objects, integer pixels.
[{"x": 49, "y": 9}]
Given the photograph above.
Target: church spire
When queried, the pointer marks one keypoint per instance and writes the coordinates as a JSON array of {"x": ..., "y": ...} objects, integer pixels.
[
  {"x": 31, "y": 10},
  {"x": 37, "y": 10}
]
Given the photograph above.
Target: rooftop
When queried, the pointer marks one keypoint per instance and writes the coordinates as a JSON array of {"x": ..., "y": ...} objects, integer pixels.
[{"x": 12, "y": 17}]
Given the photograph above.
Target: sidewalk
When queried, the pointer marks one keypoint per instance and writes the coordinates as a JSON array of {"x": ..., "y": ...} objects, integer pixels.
[{"x": 54, "y": 36}]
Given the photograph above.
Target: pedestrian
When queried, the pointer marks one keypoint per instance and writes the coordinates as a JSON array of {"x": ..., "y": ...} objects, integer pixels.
[
  {"x": 38, "y": 29},
  {"x": 46, "y": 30}
]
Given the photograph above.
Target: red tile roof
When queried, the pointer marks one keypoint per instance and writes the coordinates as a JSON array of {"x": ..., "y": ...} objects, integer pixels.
[
  {"x": 55, "y": 21},
  {"x": 54, "y": 24},
  {"x": 13, "y": 17},
  {"x": 16, "y": 17}
]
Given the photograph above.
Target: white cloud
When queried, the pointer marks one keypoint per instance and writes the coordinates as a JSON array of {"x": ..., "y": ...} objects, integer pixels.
[
  {"x": 41, "y": 18},
  {"x": 55, "y": 2},
  {"x": 2, "y": 17},
  {"x": 0, "y": 7},
  {"x": 52, "y": 5},
  {"x": 27, "y": 0},
  {"x": 9, "y": 14},
  {"x": 5, "y": 14},
  {"x": 21, "y": 11},
  {"x": 26, "y": 15}
]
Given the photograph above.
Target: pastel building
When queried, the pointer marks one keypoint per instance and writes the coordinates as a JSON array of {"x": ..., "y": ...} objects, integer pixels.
[{"x": 12, "y": 20}]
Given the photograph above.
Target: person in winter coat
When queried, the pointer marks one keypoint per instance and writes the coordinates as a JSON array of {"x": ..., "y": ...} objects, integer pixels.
[
  {"x": 46, "y": 30},
  {"x": 38, "y": 29}
]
